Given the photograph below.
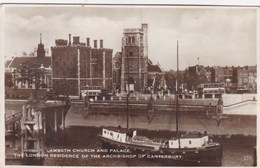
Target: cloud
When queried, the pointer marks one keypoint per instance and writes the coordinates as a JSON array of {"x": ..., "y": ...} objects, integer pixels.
[{"x": 219, "y": 36}]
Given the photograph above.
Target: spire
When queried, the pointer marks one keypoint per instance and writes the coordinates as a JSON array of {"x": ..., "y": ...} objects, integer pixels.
[
  {"x": 40, "y": 49},
  {"x": 40, "y": 38}
]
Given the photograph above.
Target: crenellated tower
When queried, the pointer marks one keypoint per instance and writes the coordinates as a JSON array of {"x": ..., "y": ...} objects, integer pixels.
[{"x": 134, "y": 58}]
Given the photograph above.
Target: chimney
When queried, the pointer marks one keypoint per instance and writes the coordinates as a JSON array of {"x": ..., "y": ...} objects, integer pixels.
[
  {"x": 95, "y": 43},
  {"x": 88, "y": 42},
  {"x": 75, "y": 40},
  {"x": 144, "y": 26},
  {"x": 69, "y": 39},
  {"x": 101, "y": 43}
]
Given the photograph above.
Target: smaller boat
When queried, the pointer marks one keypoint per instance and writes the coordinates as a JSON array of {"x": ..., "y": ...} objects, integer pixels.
[
  {"x": 193, "y": 148},
  {"x": 120, "y": 138}
]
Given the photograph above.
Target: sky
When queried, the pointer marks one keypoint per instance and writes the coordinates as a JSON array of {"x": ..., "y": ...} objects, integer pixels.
[{"x": 218, "y": 36}]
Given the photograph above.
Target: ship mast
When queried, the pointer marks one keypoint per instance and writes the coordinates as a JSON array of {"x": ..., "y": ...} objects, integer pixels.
[
  {"x": 177, "y": 97},
  {"x": 128, "y": 93}
]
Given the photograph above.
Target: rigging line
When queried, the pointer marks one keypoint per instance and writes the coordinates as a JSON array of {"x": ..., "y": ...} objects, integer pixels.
[
  {"x": 203, "y": 124},
  {"x": 181, "y": 121},
  {"x": 141, "y": 16}
]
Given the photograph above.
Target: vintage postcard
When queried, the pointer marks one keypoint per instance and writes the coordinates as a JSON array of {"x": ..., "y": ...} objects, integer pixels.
[{"x": 129, "y": 85}]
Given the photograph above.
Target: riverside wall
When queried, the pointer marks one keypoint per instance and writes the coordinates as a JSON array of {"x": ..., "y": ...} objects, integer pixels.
[{"x": 109, "y": 115}]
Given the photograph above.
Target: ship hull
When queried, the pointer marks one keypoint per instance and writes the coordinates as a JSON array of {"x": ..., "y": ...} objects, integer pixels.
[{"x": 208, "y": 156}]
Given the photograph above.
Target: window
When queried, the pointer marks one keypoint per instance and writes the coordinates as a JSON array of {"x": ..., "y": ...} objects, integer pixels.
[
  {"x": 130, "y": 39},
  {"x": 190, "y": 142},
  {"x": 133, "y": 39},
  {"x": 131, "y": 53},
  {"x": 130, "y": 67}
]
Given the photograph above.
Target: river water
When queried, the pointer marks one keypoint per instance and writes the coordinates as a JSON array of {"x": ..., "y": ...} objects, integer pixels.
[
  {"x": 83, "y": 142},
  {"x": 237, "y": 150}
]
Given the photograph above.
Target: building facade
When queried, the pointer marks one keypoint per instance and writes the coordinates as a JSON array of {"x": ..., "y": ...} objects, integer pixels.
[
  {"x": 117, "y": 62},
  {"x": 77, "y": 64},
  {"x": 246, "y": 78},
  {"x": 222, "y": 74},
  {"x": 134, "y": 58}
]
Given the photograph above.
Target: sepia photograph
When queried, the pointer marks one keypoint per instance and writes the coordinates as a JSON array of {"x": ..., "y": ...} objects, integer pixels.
[{"x": 130, "y": 85}]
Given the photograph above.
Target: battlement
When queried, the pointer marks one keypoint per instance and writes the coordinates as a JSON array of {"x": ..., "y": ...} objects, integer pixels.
[
  {"x": 80, "y": 46},
  {"x": 133, "y": 30}
]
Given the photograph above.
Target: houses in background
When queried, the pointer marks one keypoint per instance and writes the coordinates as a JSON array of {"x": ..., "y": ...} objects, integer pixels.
[{"x": 236, "y": 79}]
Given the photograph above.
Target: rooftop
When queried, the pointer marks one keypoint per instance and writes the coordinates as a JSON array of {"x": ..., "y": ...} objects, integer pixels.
[{"x": 18, "y": 61}]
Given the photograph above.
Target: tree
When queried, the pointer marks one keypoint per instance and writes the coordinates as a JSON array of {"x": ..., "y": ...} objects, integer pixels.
[
  {"x": 192, "y": 80},
  {"x": 8, "y": 79},
  {"x": 154, "y": 81},
  {"x": 31, "y": 73},
  {"x": 170, "y": 78}
]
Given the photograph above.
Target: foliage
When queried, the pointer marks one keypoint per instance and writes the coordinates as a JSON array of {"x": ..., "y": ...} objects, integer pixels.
[
  {"x": 32, "y": 74},
  {"x": 154, "y": 81},
  {"x": 170, "y": 78},
  {"x": 192, "y": 80},
  {"x": 8, "y": 79}
]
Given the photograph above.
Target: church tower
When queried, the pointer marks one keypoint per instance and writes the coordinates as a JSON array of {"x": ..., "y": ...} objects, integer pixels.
[
  {"x": 134, "y": 58},
  {"x": 40, "y": 49}
]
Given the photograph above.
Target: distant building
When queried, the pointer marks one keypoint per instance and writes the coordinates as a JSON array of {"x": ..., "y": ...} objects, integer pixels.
[
  {"x": 77, "y": 64},
  {"x": 246, "y": 78},
  {"x": 222, "y": 74},
  {"x": 41, "y": 60}
]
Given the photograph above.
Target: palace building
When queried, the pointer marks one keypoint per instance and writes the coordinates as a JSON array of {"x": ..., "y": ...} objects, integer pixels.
[{"x": 76, "y": 65}]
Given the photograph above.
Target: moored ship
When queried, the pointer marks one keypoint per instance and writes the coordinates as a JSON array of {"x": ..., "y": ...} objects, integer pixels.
[{"x": 191, "y": 148}]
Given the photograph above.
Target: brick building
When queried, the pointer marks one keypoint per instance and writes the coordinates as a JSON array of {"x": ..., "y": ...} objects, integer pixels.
[
  {"x": 221, "y": 74},
  {"x": 77, "y": 64},
  {"x": 134, "y": 58},
  {"x": 245, "y": 78}
]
